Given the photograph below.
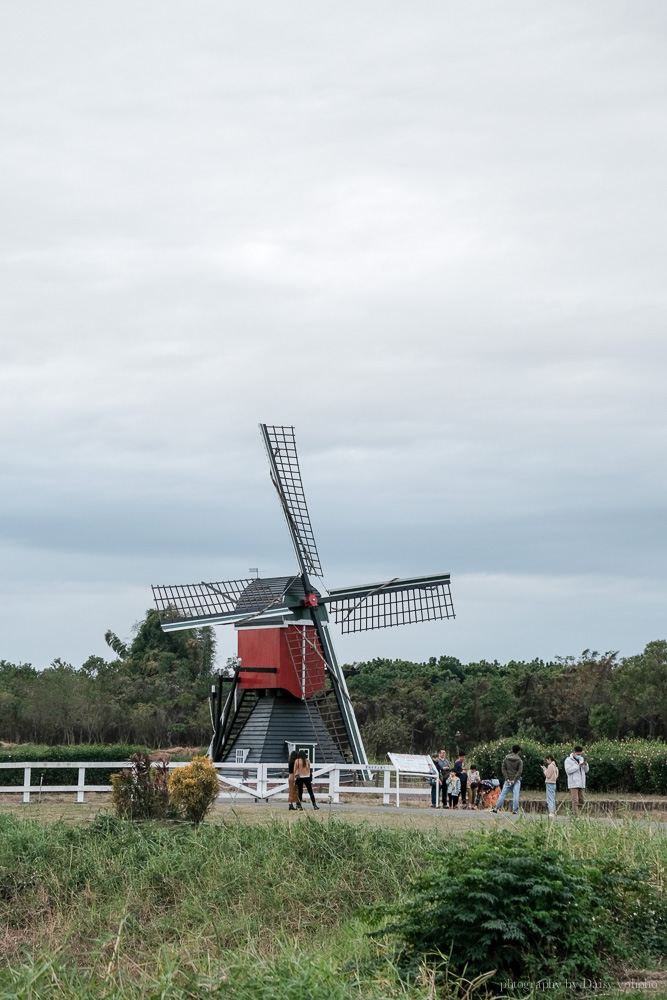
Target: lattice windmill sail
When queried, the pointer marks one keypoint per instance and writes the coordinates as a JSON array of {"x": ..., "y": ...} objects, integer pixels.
[{"x": 287, "y": 689}]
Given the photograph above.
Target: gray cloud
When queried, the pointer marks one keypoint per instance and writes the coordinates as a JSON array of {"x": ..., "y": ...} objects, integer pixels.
[{"x": 432, "y": 242}]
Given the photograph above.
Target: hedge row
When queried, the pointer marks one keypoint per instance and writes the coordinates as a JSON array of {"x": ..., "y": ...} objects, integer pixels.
[
  {"x": 626, "y": 766},
  {"x": 29, "y": 752}
]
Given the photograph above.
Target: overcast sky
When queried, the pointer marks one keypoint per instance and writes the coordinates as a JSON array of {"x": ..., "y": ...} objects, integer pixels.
[{"x": 431, "y": 237}]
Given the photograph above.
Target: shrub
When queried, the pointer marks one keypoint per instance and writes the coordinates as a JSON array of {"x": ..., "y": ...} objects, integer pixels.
[
  {"x": 647, "y": 762},
  {"x": 611, "y": 767},
  {"x": 489, "y": 759},
  {"x": 615, "y": 765},
  {"x": 519, "y": 906},
  {"x": 141, "y": 792},
  {"x": 194, "y": 788}
]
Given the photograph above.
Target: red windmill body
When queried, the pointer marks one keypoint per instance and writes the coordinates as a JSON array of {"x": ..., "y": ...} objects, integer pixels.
[{"x": 287, "y": 658}]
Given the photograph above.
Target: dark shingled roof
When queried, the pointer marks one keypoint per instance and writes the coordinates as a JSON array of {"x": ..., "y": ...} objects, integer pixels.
[{"x": 276, "y": 719}]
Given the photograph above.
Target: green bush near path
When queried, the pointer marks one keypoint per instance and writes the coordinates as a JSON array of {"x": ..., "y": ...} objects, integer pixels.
[
  {"x": 531, "y": 909},
  {"x": 615, "y": 766},
  {"x": 125, "y": 910}
]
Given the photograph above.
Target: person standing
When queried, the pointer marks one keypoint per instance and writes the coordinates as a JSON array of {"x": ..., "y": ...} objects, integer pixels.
[
  {"x": 461, "y": 772},
  {"x": 550, "y": 778},
  {"x": 443, "y": 766},
  {"x": 512, "y": 767},
  {"x": 292, "y": 793},
  {"x": 435, "y": 784},
  {"x": 475, "y": 785},
  {"x": 302, "y": 775},
  {"x": 576, "y": 769},
  {"x": 453, "y": 790}
]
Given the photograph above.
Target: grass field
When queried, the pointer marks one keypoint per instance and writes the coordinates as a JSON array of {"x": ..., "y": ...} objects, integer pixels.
[{"x": 258, "y": 903}]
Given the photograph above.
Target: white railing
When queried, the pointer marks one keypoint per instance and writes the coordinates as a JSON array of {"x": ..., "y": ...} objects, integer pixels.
[
  {"x": 237, "y": 781},
  {"x": 27, "y": 788}
]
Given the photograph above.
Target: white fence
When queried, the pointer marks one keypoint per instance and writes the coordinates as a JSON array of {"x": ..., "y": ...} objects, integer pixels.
[{"x": 240, "y": 781}]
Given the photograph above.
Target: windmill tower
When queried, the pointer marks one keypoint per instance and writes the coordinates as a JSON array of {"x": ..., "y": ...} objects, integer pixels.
[{"x": 287, "y": 689}]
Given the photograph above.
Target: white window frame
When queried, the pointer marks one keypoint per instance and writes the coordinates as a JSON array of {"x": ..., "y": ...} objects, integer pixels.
[{"x": 302, "y": 745}]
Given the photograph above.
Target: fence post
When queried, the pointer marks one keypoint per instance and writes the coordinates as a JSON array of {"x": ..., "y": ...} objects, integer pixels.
[
  {"x": 81, "y": 783},
  {"x": 26, "y": 783},
  {"x": 334, "y": 784},
  {"x": 262, "y": 772},
  {"x": 385, "y": 787},
  {"x": 397, "y": 784}
]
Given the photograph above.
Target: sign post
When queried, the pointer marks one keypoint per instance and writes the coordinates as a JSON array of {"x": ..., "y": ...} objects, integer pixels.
[{"x": 411, "y": 763}]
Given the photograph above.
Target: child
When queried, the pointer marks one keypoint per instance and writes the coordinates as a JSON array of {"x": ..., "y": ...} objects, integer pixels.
[
  {"x": 453, "y": 790},
  {"x": 475, "y": 786}
]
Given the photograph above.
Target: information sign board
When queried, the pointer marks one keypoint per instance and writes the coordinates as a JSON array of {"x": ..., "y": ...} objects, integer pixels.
[{"x": 413, "y": 763}]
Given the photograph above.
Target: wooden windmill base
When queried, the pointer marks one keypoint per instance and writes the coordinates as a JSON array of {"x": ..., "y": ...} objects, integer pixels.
[{"x": 269, "y": 722}]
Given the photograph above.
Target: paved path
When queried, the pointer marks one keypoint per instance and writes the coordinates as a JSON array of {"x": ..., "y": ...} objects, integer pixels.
[{"x": 439, "y": 816}]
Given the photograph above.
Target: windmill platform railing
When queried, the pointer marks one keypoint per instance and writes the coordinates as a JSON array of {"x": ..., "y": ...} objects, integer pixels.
[{"x": 238, "y": 781}]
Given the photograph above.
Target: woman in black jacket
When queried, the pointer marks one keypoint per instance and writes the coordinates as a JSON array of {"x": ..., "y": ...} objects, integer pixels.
[{"x": 461, "y": 772}]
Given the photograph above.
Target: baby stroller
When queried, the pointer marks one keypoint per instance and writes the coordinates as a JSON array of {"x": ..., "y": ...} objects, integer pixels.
[{"x": 490, "y": 792}]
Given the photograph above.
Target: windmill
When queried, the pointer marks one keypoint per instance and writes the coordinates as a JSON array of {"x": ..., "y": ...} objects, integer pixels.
[{"x": 287, "y": 689}]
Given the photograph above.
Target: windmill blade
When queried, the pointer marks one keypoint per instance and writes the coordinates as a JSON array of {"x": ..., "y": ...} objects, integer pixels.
[
  {"x": 396, "y": 602},
  {"x": 227, "y": 602},
  {"x": 286, "y": 476}
]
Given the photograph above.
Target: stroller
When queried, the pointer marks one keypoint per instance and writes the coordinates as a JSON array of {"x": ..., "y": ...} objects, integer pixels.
[{"x": 490, "y": 792}]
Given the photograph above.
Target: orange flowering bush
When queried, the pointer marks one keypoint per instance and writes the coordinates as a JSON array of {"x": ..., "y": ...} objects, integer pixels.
[{"x": 194, "y": 788}]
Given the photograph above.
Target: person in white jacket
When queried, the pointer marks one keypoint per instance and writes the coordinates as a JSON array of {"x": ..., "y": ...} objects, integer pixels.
[{"x": 576, "y": 769}]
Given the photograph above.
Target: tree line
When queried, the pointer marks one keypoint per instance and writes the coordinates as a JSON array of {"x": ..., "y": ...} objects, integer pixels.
[
  {"x": 154, "y": 691},
  {"x": 443, "y": 702}
]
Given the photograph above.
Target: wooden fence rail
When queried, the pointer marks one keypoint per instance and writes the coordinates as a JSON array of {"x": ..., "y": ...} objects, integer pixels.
[{"x": 244, "y": 781}]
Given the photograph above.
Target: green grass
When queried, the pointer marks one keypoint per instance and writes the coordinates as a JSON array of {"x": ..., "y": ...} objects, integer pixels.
[{"x": 235, "y": 909}]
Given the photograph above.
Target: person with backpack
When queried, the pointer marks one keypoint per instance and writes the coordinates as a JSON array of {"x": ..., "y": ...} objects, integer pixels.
[{"x": 550, "y": 778}]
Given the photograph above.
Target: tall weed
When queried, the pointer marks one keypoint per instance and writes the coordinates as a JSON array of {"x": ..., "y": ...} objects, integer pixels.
[{"x": 124, "y": 910}]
